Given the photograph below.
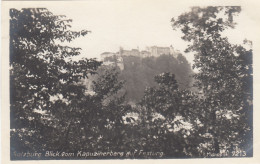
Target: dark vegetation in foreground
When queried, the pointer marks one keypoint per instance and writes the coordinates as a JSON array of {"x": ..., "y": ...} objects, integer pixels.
[{"x": 52, "y": 110}]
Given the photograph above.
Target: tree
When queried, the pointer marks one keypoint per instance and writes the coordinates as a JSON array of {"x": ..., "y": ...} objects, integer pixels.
[
  {"x": 168, "y": 116},
  {"x": 111, "y": 110},
  {"x": 44, "y": 78},
  {"x": 225, "y": 78},
  {"x": 95, "y": 122},
  {"x": 139, "y": 73}
]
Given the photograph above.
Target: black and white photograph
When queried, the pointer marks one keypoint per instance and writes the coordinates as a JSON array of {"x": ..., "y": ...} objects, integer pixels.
[{"x": 116, "y": 79}]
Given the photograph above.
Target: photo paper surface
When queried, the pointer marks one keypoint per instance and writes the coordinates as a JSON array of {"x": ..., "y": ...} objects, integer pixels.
[{"x": 109, "y": 80}]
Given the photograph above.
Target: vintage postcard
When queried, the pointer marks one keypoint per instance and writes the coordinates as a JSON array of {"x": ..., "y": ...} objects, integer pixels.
[{"x": 164, "y": 81}]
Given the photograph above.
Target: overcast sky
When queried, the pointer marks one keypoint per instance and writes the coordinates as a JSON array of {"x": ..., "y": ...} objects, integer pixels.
[{"x": 133, "y": 24}]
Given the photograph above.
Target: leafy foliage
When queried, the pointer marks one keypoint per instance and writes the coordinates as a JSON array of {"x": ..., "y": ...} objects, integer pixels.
[
  {"x": 62, "y": 104},
  {"x": 171, "y": 117},
  {"x": 225, "y": 76},
  {"x": 43, "y": 78}
]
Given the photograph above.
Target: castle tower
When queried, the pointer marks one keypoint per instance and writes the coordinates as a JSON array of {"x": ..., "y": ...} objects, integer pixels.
[{"x": 120, "y": 51}]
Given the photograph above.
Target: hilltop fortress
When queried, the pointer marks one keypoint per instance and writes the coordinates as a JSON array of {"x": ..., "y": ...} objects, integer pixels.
[{"x": 110, "y": 58}]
